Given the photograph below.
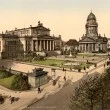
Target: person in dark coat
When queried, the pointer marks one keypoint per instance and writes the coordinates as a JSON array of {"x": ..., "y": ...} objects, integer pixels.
[
  {"x": 64, "y": 78},
  {"x": 12, "y": 99},
  {"x": 39, "y": 90}
]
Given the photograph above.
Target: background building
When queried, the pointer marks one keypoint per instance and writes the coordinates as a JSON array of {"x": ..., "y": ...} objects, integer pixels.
[
  {"x": 92, "y": 41},
  {"x": 108, "y": 44},
  {"x": 71, "y": 45},
  {"x": 58, "y": 42}
]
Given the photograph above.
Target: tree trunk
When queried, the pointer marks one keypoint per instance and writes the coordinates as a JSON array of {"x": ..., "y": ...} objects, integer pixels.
[
  {"x": 91, "y": 106},
  {"x": 102, "y": 101}
]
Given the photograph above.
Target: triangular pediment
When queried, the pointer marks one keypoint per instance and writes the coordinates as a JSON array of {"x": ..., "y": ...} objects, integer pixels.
[{"x": 87, "y": 39}]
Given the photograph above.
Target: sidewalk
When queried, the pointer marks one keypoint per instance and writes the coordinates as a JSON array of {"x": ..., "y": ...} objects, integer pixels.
[
  {"x": 26, "y": 97},
  {"x": 31, "y": 96}
]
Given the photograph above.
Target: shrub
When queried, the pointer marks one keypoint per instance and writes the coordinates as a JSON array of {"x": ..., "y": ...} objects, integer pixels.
[
  {"x": 20, "y": 82},
  {"x": 38, "y": 58},
  {"x": 1, "y": 99},
  {"x": 4, "y": 74},
  {"x": 53, "y": 64}
]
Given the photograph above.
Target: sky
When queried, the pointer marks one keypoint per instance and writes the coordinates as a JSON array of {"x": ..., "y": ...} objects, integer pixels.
[{"x": 63, "y": 17}]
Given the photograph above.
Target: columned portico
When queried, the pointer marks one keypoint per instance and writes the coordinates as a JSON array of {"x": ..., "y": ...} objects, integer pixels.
[
  {"x": 41, "y": 45},
  {"x": 88, "y": 47}
]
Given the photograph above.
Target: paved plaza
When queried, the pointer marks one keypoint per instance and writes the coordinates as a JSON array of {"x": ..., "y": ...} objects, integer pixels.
[
  {"x": 54, "y": 96},
  {"x": 61, "y": 99}
]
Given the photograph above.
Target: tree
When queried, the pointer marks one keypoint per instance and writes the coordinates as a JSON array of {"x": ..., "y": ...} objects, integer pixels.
[
  {"x": 4, "y": 74},
  {"x": 104, "y": 87},
  {"x": 39, "y": 58},
  {"x": 93, "y": 93},
  {"x": 20, "y": 82},
  {"x": 85, "y": 95}
]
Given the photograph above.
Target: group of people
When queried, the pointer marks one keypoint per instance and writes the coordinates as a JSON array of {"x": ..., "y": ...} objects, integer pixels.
[{"x": 13, "y": 99}]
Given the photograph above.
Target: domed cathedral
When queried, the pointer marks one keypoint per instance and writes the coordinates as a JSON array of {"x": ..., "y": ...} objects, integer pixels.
[{"x": 92, "y": 41}]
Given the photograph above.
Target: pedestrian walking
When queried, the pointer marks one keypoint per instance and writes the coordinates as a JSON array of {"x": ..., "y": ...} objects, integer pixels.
[
  {"x": 63, "y": 69},
  {"x": 64, "y": 78},
  {"x": 104, "y": 65},
  {"x": 70, "y": 69},
  {"x": 59, "y": 84},
  {"x": 39, "y": 90},
  {"x": 12, "y": 99}
]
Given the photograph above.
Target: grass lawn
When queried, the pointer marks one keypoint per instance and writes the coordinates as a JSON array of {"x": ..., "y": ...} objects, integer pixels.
[
  {"x": 49, "y": 62},
  {"x": 6, "y": 82},
  {"x": 86, "y": 65},
  {"x": 82, "y": 65}
]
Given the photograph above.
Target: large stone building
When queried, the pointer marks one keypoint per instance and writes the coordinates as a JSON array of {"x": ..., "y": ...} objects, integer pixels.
[
  {"x": 92, "y": 41},
  {"x": 19, "y": 42}
]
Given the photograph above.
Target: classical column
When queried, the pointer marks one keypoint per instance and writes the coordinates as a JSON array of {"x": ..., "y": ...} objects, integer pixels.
[
  {"x": 32, "y": 46},
  {"x": 36, "y": 45},
  {"x": 44, "y": 44},
  {"x": 85, "y": 47},
  {"x": 47, "y": 45},
  {"x": 53, "y": 45},
  {"x": 50, "y": 45},
  {"x": 40, "y": 45},
  {"x": 82, "y": 47},
  {"x": 92, "y": 47},
  {"x": 25, "y": 46},
  {"x": 88, "y": 48}
]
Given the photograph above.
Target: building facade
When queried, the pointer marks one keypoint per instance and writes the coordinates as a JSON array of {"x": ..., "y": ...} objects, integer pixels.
[
  {"x": 58, "y": 42},
  {"x": 92, "y": 41},
  {"x": 19, "y": 42},
  {"x": 38, "y": 77},
  {"x": 71, "y": 45},
  {"x": 108, "y": 44}
]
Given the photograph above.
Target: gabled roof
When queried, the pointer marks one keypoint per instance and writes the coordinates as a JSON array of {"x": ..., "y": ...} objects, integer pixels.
[
  {"x": 41, "y": 27},
  {"x": 87, "y": 39}
]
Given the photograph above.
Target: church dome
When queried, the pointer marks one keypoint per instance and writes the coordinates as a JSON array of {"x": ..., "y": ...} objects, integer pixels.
[{"x": 91, "y": 16}]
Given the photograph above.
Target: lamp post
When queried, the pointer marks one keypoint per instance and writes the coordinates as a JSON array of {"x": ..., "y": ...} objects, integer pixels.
[
  {"x": 65, "y": 74},
  {"x": 53, "y": 70}
]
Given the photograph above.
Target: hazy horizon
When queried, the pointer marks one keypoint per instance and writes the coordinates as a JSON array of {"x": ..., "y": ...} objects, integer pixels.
[{"x": 63, "y": 17}]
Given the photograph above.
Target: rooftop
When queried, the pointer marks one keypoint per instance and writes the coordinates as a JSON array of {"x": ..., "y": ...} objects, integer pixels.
[{"x": 38, "y": 72}]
